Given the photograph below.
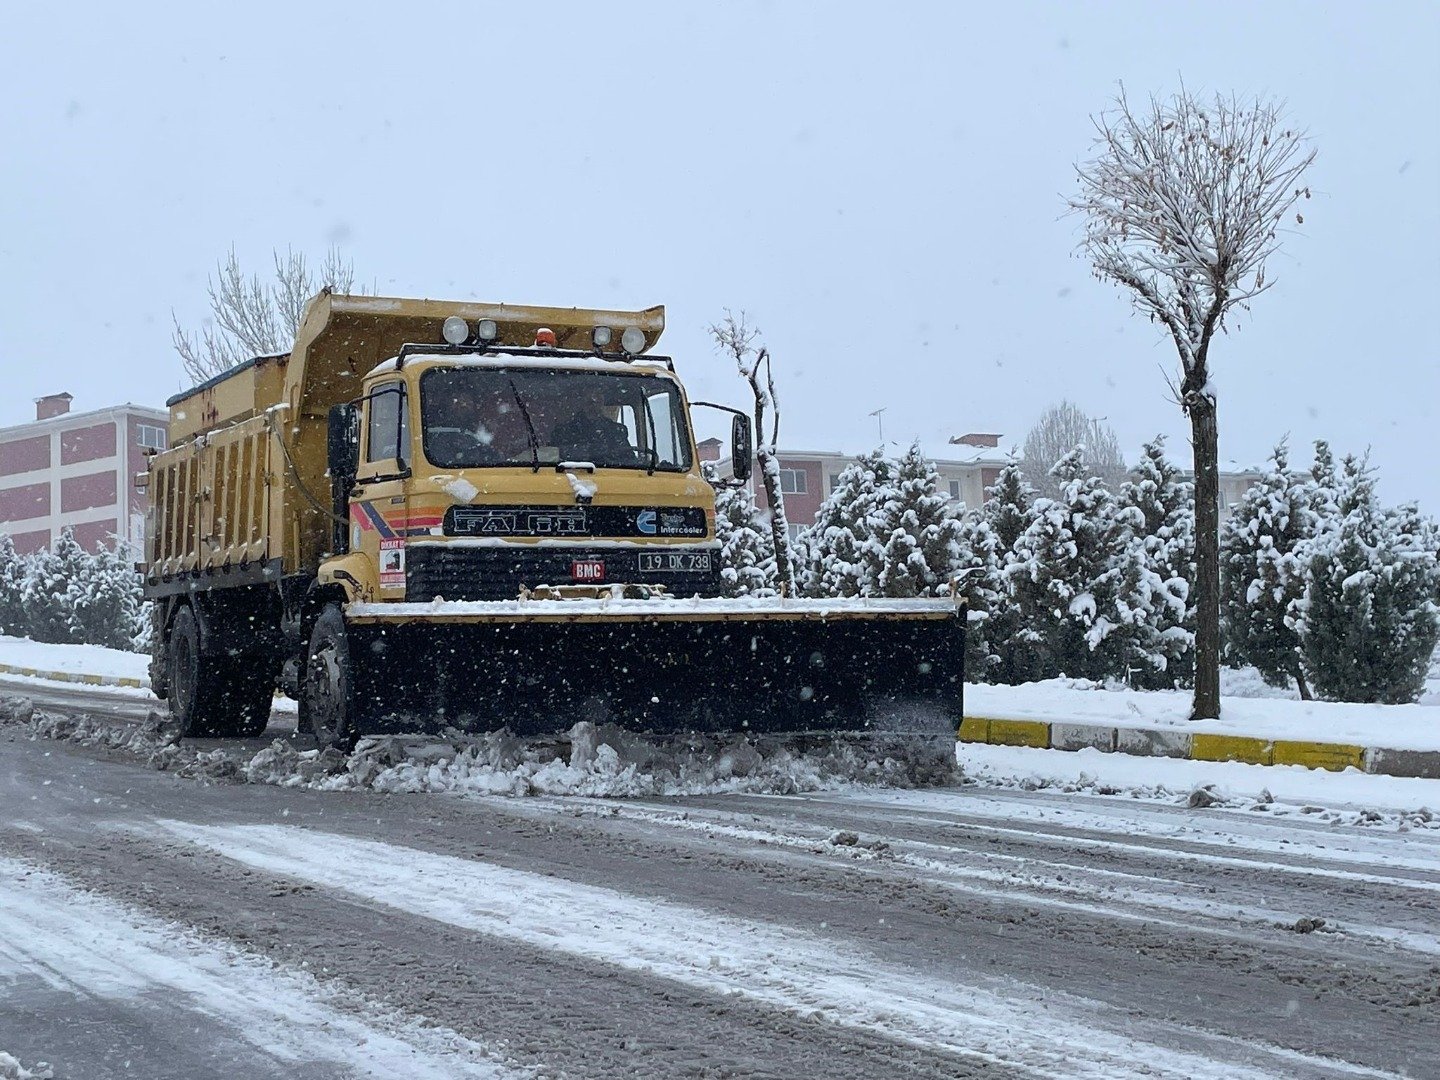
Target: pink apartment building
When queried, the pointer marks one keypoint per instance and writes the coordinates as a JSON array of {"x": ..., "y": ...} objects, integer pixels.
[{"x": 77, "y": 470}]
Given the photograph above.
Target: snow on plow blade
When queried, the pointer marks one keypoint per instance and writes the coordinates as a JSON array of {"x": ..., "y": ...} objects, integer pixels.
[{"x": 800, "y": 670}]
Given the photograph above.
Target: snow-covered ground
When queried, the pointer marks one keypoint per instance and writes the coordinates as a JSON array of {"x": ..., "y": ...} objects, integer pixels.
[
  {"x": 57, "y": 940},
  {"x": 1396, "y": 727},
  {"x": 1350, "y": 796},
  {"x": 74, "y": 659}
]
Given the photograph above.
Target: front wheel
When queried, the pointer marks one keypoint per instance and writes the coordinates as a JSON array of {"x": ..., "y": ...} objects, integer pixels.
[{"x": 329, "y": 690}]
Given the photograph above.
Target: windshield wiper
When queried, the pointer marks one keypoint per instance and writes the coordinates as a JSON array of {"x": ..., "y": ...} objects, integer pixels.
[
  {"x": 529, "y": 426},
  {"x": 654, "y": 453}
]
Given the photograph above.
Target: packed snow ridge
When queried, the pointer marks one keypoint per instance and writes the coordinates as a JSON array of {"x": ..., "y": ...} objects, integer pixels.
[{"x": 591, "y": 760}]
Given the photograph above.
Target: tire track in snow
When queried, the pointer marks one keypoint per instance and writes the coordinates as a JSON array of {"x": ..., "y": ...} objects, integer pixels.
[
  {"x": 81, "y": 945},
  {"x": 1006, "y": 1023},
  {"x": 1058, "y": 882}
]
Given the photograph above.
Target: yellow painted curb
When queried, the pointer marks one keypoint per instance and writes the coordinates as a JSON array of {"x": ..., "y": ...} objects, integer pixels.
[
  {"x": 1034, "y": 733},
  {"x": 974, "y": 729},
  {"x": 1318, "y": 755},
  {"x": 1231, "y": 748},
  {"x": 73, "y": 677}
]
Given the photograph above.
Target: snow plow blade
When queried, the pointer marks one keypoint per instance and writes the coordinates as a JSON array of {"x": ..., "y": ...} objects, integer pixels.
[{"x": 793, "y": 669}]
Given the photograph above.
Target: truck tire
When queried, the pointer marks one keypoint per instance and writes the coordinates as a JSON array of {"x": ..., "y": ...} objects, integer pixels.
[
  {"x": 194, "y": 682},
  {"x": 329, "y": 689},
  {"x": 249, "y": 695}
]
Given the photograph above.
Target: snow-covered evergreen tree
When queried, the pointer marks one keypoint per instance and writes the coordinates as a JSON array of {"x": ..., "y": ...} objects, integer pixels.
[
  {"x": 920, "y": 531},
  {"x": 841, "y": 555},
  {"x": 1263, "y": 572},
  {"x": 1061, "y": 574},
  {"x": 102, "y": 598},
  {"x": 12, "y": 576},
  {"x": 44, "y": 588},
  {"x": 1009, "y": 505},
  {"x": 1324, "y": 486},
  {"x": 978, "y": 569},
  {"x": 1369, "y": 621},
  {"x": 1010, "y": 645},
  {"x": 1152, "y": 580},
  {"x": 747, "y": 554}
]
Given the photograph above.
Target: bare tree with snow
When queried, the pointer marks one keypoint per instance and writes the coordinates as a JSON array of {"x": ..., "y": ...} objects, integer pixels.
[
  {"x": 1061, "y": 429},
  {"x": 1184, "y": 201},
  {"x": 736, "y": 337},
  {"x": 250, "y": 317}
]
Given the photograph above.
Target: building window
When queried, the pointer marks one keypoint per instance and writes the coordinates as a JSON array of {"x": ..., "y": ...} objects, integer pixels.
[
  {"x": 152, "y": 436},
  {"x": 954, "y": 489},
  {"x": 834, "y": 480},
  {"x": 794, "y": 531},
  {"x": 792, "y": 481}
]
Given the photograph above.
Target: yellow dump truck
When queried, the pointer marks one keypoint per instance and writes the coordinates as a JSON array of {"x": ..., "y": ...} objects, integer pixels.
[{"x": 434, "y": 514}]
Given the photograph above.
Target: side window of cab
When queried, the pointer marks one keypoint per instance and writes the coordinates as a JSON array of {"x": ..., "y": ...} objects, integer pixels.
[{"x": 387, "y": 433}]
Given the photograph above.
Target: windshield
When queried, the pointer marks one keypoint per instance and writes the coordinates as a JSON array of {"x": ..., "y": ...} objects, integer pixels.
[{"x": 478, "y": 417}]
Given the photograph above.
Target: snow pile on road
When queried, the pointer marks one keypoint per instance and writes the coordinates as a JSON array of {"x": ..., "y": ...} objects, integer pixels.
[
  {"x": 11, "y": 1069},
  {"x": 603, "y": 761},
  {"x": 152, "y": 740},
  {"x": 596, "y": 761},
  {"x": 1342, "y": 798}
]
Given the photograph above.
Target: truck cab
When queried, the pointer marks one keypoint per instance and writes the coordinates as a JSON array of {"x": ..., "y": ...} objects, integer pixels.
[{"x": 478, "y": 472}]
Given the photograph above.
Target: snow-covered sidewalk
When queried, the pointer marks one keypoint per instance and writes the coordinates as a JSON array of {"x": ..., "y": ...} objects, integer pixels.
[
  {"x": 92, "y": 664},
  {"x": 1071, "y": 714}
]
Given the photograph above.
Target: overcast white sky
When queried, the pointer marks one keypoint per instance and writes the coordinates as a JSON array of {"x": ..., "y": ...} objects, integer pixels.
[{"x": 879, "y": 185}]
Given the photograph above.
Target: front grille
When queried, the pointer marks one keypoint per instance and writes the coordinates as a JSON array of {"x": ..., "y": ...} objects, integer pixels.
[{"x": 462, "y": 572}]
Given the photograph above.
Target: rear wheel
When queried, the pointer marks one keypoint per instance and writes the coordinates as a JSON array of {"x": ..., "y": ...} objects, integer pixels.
[
  {"x": 215, "y": 695},
  {"x": 250, "y": 693},
  {"x": 329, "y": 690}
]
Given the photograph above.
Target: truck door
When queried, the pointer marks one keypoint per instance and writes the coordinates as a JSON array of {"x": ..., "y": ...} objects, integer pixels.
[{"x": 379, "y": 506}]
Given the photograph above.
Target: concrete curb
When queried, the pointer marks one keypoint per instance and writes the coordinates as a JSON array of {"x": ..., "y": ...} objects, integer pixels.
[
  {"x": 1199, "y": 746},
  {"x": 74, "y": 677}
]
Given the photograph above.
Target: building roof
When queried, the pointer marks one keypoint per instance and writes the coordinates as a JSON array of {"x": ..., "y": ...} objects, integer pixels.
[{"x": 148, "y": 412}]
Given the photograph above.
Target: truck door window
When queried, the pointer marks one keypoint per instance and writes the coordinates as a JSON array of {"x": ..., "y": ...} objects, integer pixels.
[
  {"x": 667, "y": 430},
  {"x": 388, "y": 431}
]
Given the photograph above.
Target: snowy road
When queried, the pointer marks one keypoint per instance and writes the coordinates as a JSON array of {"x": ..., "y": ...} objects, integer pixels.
[{"x": 165, "y": 928}]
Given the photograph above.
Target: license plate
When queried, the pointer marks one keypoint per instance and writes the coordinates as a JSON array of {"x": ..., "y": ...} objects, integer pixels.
[
  {"x": 587, "y": 570},
  {"x": 674, "y": 562}
]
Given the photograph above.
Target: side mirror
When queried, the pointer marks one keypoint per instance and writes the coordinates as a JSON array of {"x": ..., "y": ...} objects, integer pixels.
[
  {"x": 742, "y": 448},
  {"x": 342, "y": 444}
]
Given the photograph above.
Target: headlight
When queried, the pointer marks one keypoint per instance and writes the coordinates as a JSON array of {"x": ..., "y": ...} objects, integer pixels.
[
  {"x": 602, "y": 336},
  {"x": 455, "y": 330},
  {"x": 486, "y": 330},
  {"x": 632, "y": 340}
]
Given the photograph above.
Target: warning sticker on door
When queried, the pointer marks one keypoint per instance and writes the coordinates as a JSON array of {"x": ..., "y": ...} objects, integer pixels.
[{"x": 392, "y": 564}]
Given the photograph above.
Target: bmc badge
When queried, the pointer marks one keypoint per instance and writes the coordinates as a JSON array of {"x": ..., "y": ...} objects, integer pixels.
[
  {"x": 392, "y": 564},
  {"x": 590, "y": 571}
]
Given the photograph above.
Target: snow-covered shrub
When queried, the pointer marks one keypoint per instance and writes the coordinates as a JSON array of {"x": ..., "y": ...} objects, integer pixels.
[
  {"x": 920, "y": 531},
  {"x": 71, "y": 596},
  {"x": 885, "y": 530},
  {"x": 43, "y": 589},
  {"x": 1061, "y": 579},
  {"x": 12, "y": 575},
  {"x": 1007, "y": 642},
  {"x": 840, "y": 554},
  {"x": 747, "y": 553},
  {"x": 1369, "y": 621},
  {"x": 1263, "y": 572},
  {"x": 1153, "y": 607}
]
